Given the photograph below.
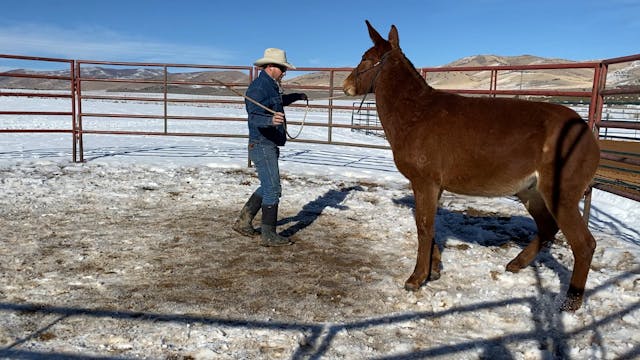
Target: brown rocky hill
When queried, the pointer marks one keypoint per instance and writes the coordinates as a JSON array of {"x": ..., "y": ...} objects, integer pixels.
[
  {"x": 562, "y": 79},
  {"x": 320, "y": 78}
]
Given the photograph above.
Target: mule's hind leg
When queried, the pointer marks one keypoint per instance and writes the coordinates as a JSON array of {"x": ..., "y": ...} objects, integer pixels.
[
  {"x": 582, "y": 245},
  {"x": 567, "y": 168},
  {"x": 545, "y": 223},
  {"x": 426, "y": 196}
]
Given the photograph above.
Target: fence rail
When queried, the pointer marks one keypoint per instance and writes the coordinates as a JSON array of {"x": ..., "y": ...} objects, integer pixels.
[{"x": 161, "y": 83}]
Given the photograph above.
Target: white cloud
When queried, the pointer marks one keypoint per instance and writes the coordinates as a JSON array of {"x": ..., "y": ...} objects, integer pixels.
[{"x": 103, "y": 44}]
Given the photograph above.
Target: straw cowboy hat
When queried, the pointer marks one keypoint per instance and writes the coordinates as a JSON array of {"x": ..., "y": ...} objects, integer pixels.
[{"x": 274, "y": 56}]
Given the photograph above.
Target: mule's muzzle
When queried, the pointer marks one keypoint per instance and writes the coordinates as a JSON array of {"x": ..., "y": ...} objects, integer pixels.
[
  {"x": 349, "y": 87},
  {"x": 349, "y": 91}
]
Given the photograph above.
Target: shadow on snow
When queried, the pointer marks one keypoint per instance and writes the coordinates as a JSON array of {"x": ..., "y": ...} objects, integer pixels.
[{"x": 548, "y": 333}]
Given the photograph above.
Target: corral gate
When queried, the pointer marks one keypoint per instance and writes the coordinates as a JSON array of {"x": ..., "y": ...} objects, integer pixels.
[{"x": 364, "y": 117}]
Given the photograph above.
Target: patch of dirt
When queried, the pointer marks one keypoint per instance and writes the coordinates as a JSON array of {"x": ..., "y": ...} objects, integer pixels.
[{"x": 162, "y": 243}]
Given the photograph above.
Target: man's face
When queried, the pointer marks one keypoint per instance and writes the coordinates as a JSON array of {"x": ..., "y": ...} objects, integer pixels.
[{"x": 277, "y": 72}]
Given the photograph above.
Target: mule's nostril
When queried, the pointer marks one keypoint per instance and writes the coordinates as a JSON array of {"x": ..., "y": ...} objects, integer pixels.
[{"x": 349, "y": 90}]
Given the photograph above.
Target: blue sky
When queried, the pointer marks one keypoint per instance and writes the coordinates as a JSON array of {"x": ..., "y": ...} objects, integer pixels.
[{"x": 316, "y": 33}]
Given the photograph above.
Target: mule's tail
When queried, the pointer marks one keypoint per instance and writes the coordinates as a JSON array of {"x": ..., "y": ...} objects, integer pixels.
[{"x": 575, "y": 151}]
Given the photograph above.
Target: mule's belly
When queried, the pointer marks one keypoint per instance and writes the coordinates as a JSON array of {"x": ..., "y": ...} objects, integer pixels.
[{"x": 490, "y": 186}]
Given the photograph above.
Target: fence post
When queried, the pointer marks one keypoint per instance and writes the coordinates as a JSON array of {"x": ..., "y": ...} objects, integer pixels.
[
  {"x": 597, "y": 99},
  {"x": 493, "y": 86},
  {"x": 330, "y": 110},
  {"x": 74, "y": 133},
  {"x": 78, "y": 118},
  {"x": 595, "y": 116},
  {"x": 166, "y": 90}
]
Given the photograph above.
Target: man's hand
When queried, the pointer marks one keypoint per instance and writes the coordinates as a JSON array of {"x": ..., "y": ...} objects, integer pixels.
[{"x": 277, "y": 119}]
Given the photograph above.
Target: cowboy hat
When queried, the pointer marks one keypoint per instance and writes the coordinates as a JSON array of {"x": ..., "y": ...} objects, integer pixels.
[{"x": 274, "y": 56}]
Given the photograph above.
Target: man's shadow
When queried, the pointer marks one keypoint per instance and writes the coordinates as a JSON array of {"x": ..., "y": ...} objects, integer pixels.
[{"x": 311, "y": 211}]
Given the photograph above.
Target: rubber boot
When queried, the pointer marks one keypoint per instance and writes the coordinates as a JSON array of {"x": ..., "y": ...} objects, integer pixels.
[
  {"x": 269, "y": 235},
  {"x": 249, "y": 210}
]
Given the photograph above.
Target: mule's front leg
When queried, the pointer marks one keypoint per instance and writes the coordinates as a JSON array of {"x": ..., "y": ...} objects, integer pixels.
[{"x": 426, "y": 197}]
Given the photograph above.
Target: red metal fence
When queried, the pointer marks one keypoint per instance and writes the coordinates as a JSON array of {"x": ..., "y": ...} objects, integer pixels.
[
  {"x": 70, "y": 95},
  {"x": 84, "y": 79},
  {"x": 161, "y": 86}
]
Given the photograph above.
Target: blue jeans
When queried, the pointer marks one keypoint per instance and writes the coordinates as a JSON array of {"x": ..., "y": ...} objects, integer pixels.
[{"x": 265, "y": 157}]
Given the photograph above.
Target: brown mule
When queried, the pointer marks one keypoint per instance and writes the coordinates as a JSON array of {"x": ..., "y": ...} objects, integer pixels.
[{"x": 544, "y": 153}]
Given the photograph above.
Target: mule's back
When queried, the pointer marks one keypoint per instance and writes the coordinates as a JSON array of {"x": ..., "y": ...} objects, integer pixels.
[{"x": 484, "y": 146}]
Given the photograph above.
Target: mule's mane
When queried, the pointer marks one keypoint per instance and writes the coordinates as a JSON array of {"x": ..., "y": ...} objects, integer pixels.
[
  {"x": 415, "y": 71},
  {"x": 404, "y": 60}
]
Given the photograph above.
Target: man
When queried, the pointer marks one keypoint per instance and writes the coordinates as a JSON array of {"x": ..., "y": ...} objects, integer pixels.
[{"x": 266, "y": 134}]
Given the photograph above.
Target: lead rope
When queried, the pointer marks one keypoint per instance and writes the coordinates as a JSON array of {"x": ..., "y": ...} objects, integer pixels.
[
  {"x": 306, "y": 110},
  {"x": 243, "y": 95},
  {"x": 362, "y": 102}
]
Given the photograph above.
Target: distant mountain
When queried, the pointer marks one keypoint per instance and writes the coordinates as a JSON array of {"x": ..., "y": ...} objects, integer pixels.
[
  {"x": 224, "y": 76},
  {"x": 563, "y": 79}
]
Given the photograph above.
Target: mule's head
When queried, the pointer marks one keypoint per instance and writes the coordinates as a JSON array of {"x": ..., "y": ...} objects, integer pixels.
[{"x": 361, "y": 79}]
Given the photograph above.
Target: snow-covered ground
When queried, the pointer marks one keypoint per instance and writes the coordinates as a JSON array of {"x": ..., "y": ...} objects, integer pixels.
[{"x": 131, "y": 255}]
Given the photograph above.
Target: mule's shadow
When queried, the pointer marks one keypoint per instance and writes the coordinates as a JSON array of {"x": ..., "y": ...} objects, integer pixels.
[
  {"x": 492, "y": 229},
  {"x": 310, "y": 212},
  {"x": 488, "y": 230}
]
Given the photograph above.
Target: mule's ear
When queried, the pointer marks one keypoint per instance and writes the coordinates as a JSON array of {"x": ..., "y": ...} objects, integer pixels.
[
  {"x": 393, "y": 37},
  {"x": 373, "y": 34}
]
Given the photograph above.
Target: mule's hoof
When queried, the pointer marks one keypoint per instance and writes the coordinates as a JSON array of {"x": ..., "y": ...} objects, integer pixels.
[
  {"x": 411, "y": 287},
  {"x": 513, "y": 267},
  {"x": 412, "y": 284},
  {"x": 435, "y": 275},
  {"x": 571, "y": 303}
]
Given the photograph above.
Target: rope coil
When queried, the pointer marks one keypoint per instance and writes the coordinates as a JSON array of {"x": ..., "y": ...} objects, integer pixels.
[{"x": 306, "y": 111}]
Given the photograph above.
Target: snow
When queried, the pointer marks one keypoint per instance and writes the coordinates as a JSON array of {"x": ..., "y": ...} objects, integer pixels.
[{"x": 131, "y": 255}]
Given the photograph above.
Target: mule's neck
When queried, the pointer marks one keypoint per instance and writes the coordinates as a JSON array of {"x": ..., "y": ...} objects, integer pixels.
[{"x": 398, "y": 88}]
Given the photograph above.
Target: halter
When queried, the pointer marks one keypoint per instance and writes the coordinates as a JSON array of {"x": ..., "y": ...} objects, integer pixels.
[{"x": 378, "y": 65}]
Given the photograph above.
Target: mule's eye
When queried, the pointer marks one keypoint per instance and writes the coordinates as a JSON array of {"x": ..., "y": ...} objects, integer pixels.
[{"x": 364, "y": 58}]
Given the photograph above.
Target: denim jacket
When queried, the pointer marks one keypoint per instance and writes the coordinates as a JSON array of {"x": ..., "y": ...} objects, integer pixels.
[{"x": 267, "y": 92}]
